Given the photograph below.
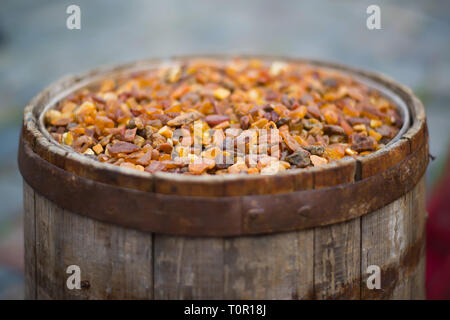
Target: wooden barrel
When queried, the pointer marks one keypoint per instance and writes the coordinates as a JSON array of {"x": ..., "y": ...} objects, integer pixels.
[{"x": 301, "y": 234}]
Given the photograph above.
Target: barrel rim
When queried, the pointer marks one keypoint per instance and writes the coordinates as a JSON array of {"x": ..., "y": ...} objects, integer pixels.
[{"x": 55, "y": 153}]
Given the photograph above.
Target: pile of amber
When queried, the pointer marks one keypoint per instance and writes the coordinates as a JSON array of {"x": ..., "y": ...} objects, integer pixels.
[{"x": 240, "y": 116}]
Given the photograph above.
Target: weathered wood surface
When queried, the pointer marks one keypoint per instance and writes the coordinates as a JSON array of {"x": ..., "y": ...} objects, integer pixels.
[
  {"x": 29, "y": 241},
  {"x": 115, "y": 263},
  {"x": 188, "y": 268},
  {"x": 418, "y": 219},
  {"x": 277, "y": 266},
  {"x": 320, "y": 263},
  {"x": 337, "y": 261}
]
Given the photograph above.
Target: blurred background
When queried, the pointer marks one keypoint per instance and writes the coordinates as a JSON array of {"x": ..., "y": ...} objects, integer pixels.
[{"x": 36, "y": 48}]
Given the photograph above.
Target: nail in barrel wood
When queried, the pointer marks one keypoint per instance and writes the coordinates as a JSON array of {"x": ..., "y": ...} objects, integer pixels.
[{"x": 300, "y": 234}]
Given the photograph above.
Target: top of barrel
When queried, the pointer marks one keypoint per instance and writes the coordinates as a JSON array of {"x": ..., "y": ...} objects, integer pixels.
[
  {"x": 341, "y": 174},
  {"x": 33, "y": 120}
]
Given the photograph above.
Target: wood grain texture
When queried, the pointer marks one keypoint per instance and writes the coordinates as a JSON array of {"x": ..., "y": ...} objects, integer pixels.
[
  {"x": 393, "y": 238},
  {"x": 29, "y": 242},
  {"x": 188, "y": 267},
  {"x": 278, "y": 266},
  {"x": 384, "y": 159},
  {"x": 384, "y": 239},
  {"x": 418, "y": 218},
  {"x": 320, "y": 263},
  {"x": 49, "y": 274},
  {"x": 305, "y": 267},
  {"x": 337, "y": 261},
  {"x": 115, "y": 262}
]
